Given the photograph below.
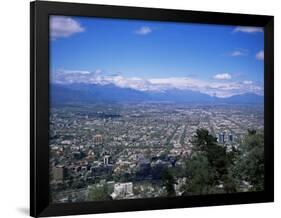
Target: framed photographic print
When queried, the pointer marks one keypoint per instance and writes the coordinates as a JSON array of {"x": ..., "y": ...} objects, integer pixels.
[{"x": 141, "y": 109}]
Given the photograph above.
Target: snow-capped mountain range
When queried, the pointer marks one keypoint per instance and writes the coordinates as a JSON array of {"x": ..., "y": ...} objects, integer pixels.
[{"x": 220, "y": 89}]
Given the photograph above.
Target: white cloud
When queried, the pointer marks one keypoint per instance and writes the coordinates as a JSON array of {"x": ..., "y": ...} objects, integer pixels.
[
  {"x": 219, "y": 89},
  {"x": 247, "y": 82},
  {"x": 61, "y": 26},
  {"x": 81, "y": 72},
  {"x": 223, "y": 76},
  {"x": 238, "y": 52},
  {"x": 248, "y": 29},
  {"x": 143, "y": 30},
  {"x": 260, "y": 56},
  {"x": 213, "y": 88},
  {"x": 177, "y": 82},
  {"x": 98, "y": 71},
  {"x": 133, "y": 83}
]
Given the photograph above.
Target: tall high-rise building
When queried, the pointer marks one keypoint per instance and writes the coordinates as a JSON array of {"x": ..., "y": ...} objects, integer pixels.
[
  {"x": 221, "y": 137},
  {"x": 122, "y": 190},
  {"x": 230, "y": 137},
  {"x": 106, "y": 159}
]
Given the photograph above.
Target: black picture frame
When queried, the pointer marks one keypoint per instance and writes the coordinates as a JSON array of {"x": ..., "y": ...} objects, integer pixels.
[{"x": 39, "y": 107}]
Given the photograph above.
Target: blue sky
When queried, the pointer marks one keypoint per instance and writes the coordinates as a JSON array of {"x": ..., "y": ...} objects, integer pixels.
[{"x": 157, "y": 50}]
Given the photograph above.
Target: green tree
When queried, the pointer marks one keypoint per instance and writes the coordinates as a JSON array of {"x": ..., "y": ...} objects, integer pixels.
[
  {"x": 98, "y": 193},
  {"x": 169, "y": 181},
  {"x": 250, "y": 164},
  {"x": 207, "y": 145},
  {"x": 200, "y": 176},
  {"x": 209, "y": 166}
]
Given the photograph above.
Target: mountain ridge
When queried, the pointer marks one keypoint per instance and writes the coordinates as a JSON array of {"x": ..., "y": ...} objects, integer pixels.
[{"x": 110, "y": 93}]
